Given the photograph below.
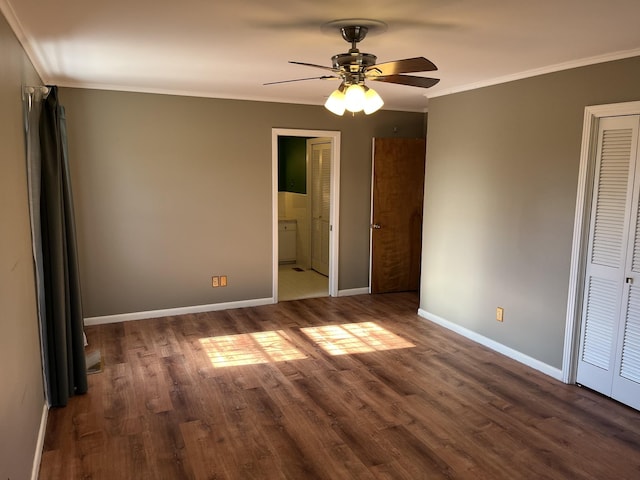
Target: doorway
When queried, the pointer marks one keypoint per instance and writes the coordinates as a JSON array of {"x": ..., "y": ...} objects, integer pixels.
[
  {"x": 305, "y": 231},
  {"x": 603, "y": 324}
]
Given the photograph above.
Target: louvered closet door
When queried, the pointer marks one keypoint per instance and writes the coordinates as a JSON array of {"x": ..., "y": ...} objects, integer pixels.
[
  {"x": 626, "y": 378},
  {"x": 320, "y": 205},
  {"x": 609, "y": 298}
]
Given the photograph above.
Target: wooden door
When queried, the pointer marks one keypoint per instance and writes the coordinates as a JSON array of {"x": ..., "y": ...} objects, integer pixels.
[
  {"x": 396, "y": 216},
  {"x": 320, "y": 203}
]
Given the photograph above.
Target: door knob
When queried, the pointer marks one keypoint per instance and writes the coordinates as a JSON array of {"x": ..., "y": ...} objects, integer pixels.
[
  {"x": 629, "y": 280},
  {"x": 376, "y": 226}
]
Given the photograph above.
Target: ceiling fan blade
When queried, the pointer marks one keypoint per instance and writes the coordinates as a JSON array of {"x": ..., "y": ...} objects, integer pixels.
[
  {"x": 323, "y": 77},
  {"x": 314, "y": 65},
  {"x": 410, "y": 80},
  {"x": 407, "y": 65}
]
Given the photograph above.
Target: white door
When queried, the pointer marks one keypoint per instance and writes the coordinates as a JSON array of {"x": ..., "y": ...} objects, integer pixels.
[
  {"x": 320, "y": 155},
  {"x": 609, "y": 355}
]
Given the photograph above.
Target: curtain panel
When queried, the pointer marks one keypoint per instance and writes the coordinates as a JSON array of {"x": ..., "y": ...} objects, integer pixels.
[{"x": 62, "y": 318}]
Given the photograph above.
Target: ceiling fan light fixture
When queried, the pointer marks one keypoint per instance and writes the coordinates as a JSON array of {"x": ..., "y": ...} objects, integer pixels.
[
  {"x": 372, "y": 101},
  {"x": 354, "y": 67},
  {"x": 354, "y": 98},
  {"x": 335, "y": 103}
]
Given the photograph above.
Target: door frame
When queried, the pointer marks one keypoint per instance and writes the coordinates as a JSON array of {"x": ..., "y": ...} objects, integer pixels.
[
  {"x": 334, "y": 211},
  {"x": 373, "y": 166},
  {"x": 579, "y": 246}
]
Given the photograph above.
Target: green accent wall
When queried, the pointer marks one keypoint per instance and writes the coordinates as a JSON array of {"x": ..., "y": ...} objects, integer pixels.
[{"x": 292, "y": 164}]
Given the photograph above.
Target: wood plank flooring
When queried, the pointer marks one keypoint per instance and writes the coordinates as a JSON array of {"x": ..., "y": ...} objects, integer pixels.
[{"x": 165, "y": 405}]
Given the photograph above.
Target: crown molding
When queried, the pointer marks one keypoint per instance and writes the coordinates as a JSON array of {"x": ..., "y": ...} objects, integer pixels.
[
  {"x": 25, "y": 40},
  {"x": 558, "y": 67}
]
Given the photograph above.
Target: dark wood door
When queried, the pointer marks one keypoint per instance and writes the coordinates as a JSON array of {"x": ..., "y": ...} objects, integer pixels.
[{"x": 396, "y": 235}]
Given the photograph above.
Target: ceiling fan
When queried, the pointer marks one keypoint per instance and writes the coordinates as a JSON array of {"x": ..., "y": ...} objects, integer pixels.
[{"x": 354, "y": 67}]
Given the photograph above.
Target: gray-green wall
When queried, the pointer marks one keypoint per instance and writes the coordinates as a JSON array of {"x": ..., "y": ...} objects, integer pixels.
[
  {"x": 21, "y": 389},
  {"x": 172, "y": 190},
  {"x": 501, "y": 183}
]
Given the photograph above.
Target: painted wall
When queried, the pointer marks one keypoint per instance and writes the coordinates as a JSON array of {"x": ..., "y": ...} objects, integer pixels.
[
  {"x": 172, "y": 190},
  {"x": 21, "y": 389},
  {"x": 501, "y": 183}
]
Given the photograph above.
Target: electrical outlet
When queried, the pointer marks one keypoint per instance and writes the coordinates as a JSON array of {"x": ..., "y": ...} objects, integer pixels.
[
  {"x": 215, "y": 281},
  {"x": 500, "y": 314},
  {"x": 223, "y": 280}
]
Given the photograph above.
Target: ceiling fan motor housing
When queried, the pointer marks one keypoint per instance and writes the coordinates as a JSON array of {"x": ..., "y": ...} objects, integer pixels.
[{"x": 353, "y": 63}]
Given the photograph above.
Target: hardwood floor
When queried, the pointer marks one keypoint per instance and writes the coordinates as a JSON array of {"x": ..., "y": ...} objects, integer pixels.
[{"x": 282, "y": 392}]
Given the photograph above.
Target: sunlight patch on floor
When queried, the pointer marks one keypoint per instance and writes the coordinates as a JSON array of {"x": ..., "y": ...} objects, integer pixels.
[
  {"x": 250, "y": 349},
  {"x": 352, "y": 338}
]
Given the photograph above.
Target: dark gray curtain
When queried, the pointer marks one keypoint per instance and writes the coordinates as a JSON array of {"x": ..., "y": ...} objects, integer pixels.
[{"x": 63, "y": 319}]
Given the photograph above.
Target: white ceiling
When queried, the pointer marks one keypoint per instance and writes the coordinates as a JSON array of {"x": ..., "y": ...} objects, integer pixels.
[{"x": 228, "y": 49}]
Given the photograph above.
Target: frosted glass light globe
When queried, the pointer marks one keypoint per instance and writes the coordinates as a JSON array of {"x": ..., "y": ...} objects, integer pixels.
[
  {"x": 373, "y": 101},
  {"x": 335, "y": 102},
  {"x": 354, "y": 98}
]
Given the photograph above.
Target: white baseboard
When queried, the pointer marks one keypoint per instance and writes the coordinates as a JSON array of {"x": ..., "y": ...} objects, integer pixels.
[
  {"x": 493, "y": 345},
  {"x": 37, "y": 457},
  {"x": 125, "y": 317},
  {"x": 353, "y": 291}
]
